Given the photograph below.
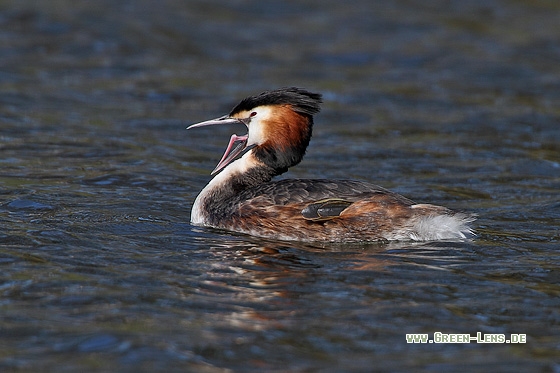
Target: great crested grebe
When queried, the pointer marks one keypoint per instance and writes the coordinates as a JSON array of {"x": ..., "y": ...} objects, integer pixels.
[{"x": 242, "y": 197}]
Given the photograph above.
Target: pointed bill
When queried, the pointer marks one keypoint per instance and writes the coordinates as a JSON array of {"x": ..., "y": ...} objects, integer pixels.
[
  {"x": 231, "y": 152},
  {"x": 222, "y": 120}
]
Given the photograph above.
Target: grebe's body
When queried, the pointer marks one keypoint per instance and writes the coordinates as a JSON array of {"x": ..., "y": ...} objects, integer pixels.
[{"x": 243, "y": 198}]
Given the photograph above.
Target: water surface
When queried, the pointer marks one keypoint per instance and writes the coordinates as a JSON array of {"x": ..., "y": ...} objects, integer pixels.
[{"x": 447, "y": 102}]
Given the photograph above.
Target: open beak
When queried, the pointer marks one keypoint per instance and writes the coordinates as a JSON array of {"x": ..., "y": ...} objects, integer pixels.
[{"x": 231, "y": 151}]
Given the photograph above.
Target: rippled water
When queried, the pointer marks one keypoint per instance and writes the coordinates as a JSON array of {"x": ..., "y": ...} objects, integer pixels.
[{"x": 447, "y": 102}]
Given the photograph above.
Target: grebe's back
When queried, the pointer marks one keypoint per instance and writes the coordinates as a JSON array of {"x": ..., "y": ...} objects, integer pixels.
[{"x": 335, "y": 211}]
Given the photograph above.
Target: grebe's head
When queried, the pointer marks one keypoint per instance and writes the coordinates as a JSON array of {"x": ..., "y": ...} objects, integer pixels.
[{"x": 279, "y": 127}]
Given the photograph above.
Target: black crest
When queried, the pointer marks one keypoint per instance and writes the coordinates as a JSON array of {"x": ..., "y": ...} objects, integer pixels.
[{"x": 302, "y": 101}]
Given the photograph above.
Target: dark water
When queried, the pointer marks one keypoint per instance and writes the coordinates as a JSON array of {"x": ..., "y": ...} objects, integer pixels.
[{"x": 447, "y": 102}]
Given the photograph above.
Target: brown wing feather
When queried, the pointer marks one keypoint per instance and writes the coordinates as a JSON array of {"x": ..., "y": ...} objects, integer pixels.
[
  {"x": 352, "y": 210},
  {"x": 325, "y": 209}
]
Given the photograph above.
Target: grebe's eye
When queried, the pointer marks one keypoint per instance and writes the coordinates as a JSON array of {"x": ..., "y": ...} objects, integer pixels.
[{"x": 253, "y": 114}]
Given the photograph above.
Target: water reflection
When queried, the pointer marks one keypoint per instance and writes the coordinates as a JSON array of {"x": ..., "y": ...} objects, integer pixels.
[
  {"x": 282, "y": 289},
  {"x": 270, "y": 278}
]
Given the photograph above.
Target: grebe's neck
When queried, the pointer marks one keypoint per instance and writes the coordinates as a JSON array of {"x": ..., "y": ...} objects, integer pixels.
[{"x": 216, "y": 201}]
